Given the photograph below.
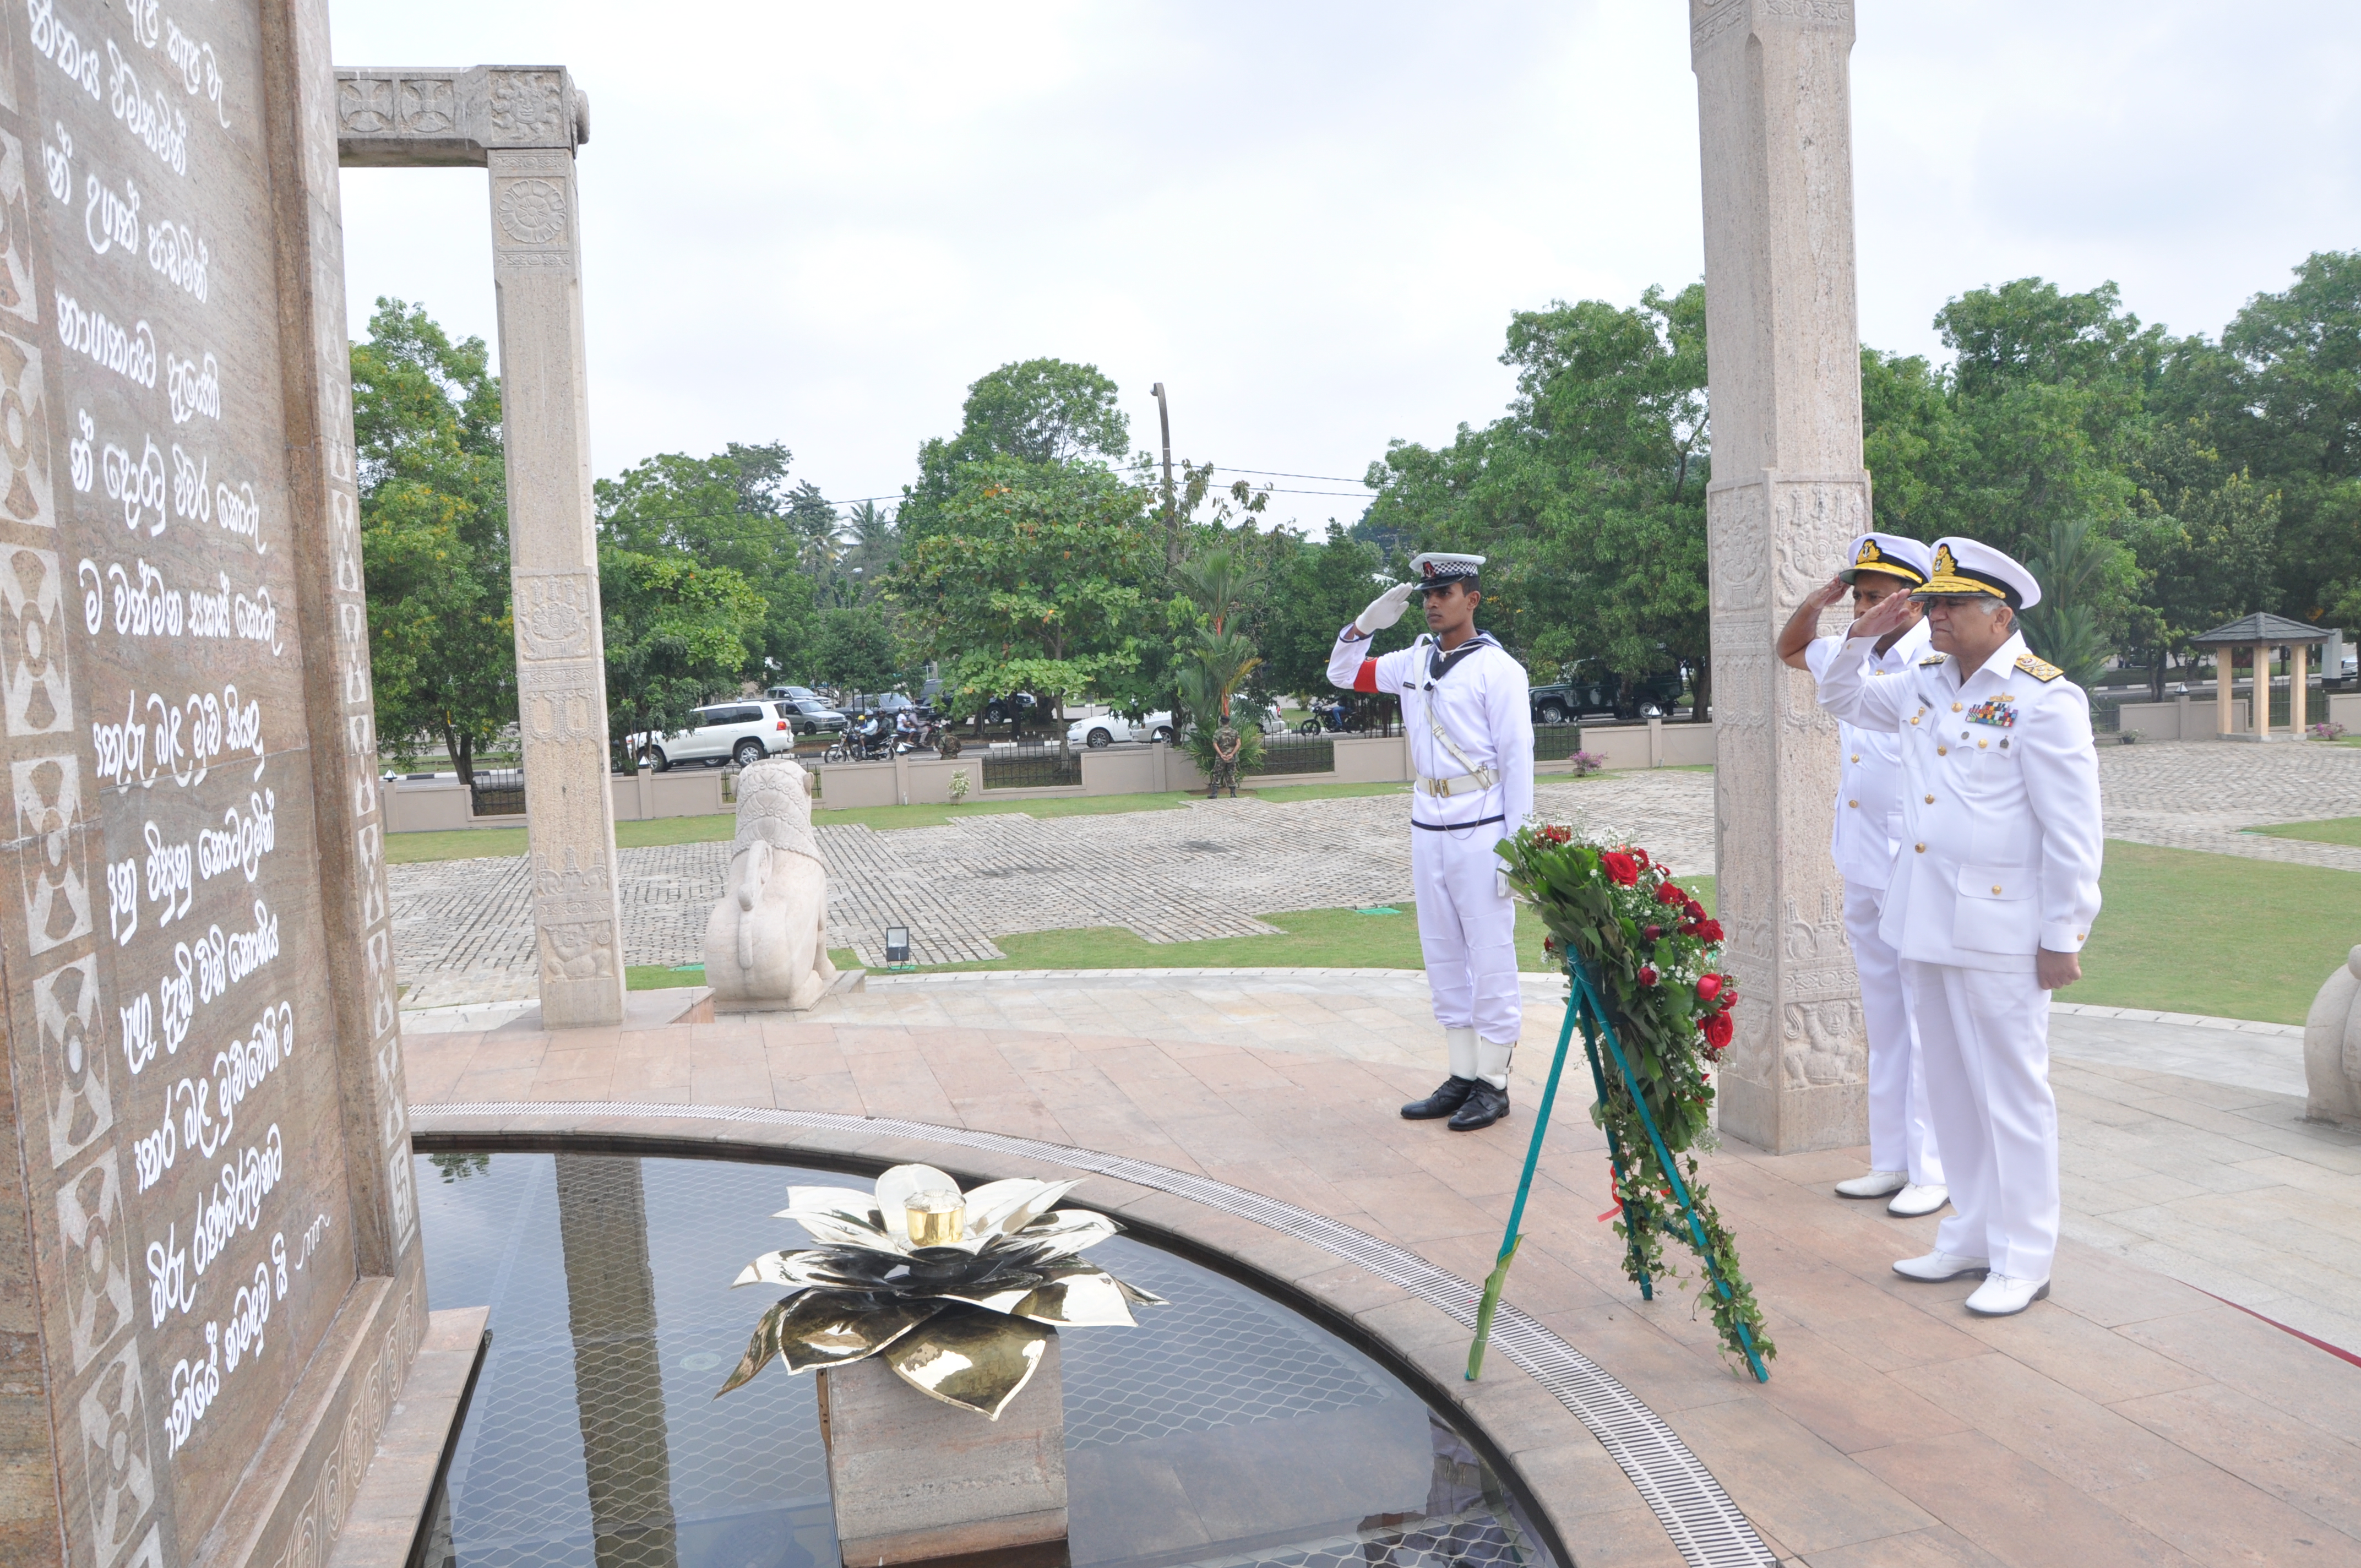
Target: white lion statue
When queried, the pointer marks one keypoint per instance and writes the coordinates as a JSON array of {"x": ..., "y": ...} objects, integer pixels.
[
  {"x": 2332, "y": 1045},
  {"x": 766, "y": 944}
]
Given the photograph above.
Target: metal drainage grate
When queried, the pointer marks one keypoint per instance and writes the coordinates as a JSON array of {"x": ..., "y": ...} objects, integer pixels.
[{"x": 1705, "y": 1525}]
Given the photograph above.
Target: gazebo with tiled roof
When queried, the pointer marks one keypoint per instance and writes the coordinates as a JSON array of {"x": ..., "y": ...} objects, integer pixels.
[{"x": 2262, "y": 632}]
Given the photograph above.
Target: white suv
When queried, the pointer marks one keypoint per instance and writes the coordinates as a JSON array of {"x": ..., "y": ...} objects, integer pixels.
[{"x": 739, "y": 732}]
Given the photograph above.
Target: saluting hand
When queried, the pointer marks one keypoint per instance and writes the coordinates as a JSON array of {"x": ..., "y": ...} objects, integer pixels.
[
  {"x": 1891, "y": 613},
  {"x": 1384, "y": 610},
  {"x": 1831, "y": 593}
]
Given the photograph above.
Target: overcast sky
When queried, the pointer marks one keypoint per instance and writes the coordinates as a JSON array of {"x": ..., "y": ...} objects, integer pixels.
[{"x": 818, "y": 223}]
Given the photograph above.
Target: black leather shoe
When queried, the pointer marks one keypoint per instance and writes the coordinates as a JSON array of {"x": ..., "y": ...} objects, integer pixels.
[
  {"x": 1485, "y": 1106},
  {"x": 1444, "y": 1100}
]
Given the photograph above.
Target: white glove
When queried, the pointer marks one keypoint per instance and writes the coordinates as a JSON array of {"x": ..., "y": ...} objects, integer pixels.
[{"x": 1384, "y": 609}]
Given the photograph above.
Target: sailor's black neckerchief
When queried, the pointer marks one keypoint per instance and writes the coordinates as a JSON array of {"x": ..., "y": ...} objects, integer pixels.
[{"x": 1439, "y": 663}]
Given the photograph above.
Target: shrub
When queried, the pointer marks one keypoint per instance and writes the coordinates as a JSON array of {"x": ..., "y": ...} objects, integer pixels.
[
  {"x": 1588, "y": 763},
  {"x": 2324, "y": 731},
  {"x": 961, "y": 784}
]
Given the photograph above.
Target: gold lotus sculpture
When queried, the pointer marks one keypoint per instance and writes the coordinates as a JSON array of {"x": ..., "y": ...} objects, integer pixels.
[{"x": 959, "y": 1292}]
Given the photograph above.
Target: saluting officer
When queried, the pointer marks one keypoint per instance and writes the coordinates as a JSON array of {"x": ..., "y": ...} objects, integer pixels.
[
  {"x": 1901, "y": 1158},
  {"x": 1992, "y": 899},
  {"x": 1465, "y": 710}
]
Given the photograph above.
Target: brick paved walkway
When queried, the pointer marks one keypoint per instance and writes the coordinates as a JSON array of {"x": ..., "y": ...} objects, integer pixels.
[{"x": 463, "y": 928}]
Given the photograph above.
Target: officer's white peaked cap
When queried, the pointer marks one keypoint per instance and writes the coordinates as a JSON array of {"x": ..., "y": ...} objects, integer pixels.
[
  {"x": 1437, "y": 568},
  {"x": 1892, "y": 554},
  {"x": 1964, "y": 566}
]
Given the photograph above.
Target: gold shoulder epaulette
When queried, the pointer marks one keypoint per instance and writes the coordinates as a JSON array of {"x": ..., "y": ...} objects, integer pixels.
[
  {"x": 2040, "y": 669},
  {"x": 1933, "y": 658}
]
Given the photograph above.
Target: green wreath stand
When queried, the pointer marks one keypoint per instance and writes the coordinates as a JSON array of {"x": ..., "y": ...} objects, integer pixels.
[{"x": 1585, "y": 1004}]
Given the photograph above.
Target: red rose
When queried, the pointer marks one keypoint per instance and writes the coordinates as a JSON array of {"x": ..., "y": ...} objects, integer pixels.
[
  {"x": 1716, "y": 1030},
  {"x": 1640, "y": 856},
  {"x": 1708, "y": 987},
  {"x": 1652, "y": 933},
  {"x": 1553, "y": 834},
  {"x": 1667, "y": 893},
  {"x": 1647, "y": 974},
  {"x": 1694, "y": 911},
  {"x": 1619, "y": 867},
  {"x": 1707, "y": 930}
]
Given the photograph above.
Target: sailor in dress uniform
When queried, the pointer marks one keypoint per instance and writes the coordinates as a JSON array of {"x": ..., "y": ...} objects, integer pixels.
[
  {"x": 1992, "y": 899},
  {"x": 1465, "y": 710},
  {"x": 1902, "y": 1164}
]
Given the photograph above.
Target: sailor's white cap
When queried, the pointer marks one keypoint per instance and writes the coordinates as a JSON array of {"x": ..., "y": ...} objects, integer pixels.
[{"x": 1436, "y": 568}]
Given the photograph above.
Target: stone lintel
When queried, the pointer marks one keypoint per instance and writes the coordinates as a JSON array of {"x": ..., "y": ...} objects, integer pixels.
[{"x": 446, "y": 117}]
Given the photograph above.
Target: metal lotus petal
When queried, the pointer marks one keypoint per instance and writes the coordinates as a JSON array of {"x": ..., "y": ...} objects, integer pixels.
[
  {"x": 831, "y": 1229},
  {"x": 798, "y": 1269},
  {"x": 1069, "y": 1230},
  {"x": 828, "y": 1327},
  {"x": 973, "y": 1359},
  {"x": 1138, "y": 1297},
  {"x": 1082, "y": 1299},
  {"x": 1014, "y": 1204},
  {"x": 894, "y": 1190},
  {"x": 848, "y": 1202},
  {"x": 759, "y": 1349}
]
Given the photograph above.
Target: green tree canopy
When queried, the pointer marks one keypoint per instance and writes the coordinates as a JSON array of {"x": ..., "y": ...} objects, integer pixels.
[
  {"x": 1041, "y": 412},
  {"x": 678, "y": 631},
  {"x": 433, "y": 514}
]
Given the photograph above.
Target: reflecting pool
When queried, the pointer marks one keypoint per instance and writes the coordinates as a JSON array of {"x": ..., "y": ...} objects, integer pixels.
[{"x": 1226, "y": 1428}]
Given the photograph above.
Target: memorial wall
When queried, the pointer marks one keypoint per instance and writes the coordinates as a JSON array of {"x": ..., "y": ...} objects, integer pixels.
[{"x": 209, "y": 1283}]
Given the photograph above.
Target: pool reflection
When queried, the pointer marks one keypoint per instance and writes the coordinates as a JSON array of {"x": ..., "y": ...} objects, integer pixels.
[{"x": 1226, "y": 1428}]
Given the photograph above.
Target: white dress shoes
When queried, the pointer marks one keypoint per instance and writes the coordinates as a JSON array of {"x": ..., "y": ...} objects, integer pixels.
[
  {"x": 1876, "y": 1184},
  {"x": 1936, "y": 1266},
  {"x": 2001, "y": 1296},
  {"x": 1913, "y": 1200}
]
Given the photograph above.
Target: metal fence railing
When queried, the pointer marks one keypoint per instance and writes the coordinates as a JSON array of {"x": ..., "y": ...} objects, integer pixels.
[
  {"x": 1297, "y": 754},
  {"x": 1031, "y": 767},
  {"x": 499, "y": 792},
  {"x": 1556, "y": 742}
]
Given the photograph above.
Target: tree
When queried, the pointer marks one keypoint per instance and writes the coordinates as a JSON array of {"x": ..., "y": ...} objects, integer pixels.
[
  {"x": 433, "y": 515},
  {"x": 732, "y": 510},
  {"x": 1315, "y": 587},
  {"x": 1037, "y": 578},
  {"x": 1216, "y": 655},
  {"x": 678, "y": 630},
  {"x": 1588, "y": 498},
  {"x": 1042, "y": 412},
  {"x": 857, "y": 650}
]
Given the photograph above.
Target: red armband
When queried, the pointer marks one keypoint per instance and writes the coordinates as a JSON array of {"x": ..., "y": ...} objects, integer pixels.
[{"x": 1367, "y": 680}]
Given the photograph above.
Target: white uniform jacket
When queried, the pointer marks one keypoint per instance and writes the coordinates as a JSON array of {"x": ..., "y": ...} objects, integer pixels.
[
  {"x": 1869, "y": 779},
  {"x": 1482, "y": 699},
  {"x": 2000, "y": 805}
]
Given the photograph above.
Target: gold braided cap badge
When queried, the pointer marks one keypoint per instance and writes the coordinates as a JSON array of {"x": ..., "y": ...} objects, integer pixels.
[
  {"x": 1943, "y": 566},
  {"x": 1869, "y": 552}
]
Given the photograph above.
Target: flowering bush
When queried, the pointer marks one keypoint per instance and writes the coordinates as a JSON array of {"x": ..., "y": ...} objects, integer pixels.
[
  {"x": 2324, "y": 731},
  {"x": 1649, "y": 950},
  {"x": 1588, "y": 763}
]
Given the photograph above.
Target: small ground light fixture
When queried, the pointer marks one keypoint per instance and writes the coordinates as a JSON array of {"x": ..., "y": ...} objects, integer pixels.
[{"x": 897, "y": 946}]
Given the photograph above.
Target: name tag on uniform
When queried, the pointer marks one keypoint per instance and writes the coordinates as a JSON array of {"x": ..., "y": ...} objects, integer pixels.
[{"x": 1995, "y": 710}]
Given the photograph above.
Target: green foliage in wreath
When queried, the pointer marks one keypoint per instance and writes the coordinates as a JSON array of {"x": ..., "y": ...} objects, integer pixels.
[{"x": 1650, "y": 950}]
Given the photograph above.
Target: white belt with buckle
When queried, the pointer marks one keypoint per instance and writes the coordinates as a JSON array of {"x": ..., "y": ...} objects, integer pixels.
[{"x": 1481, "y": 779}]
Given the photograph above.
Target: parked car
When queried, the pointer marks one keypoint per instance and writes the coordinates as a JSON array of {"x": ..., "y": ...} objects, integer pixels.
[
  {"x": 892, "y": 704},
  {"x": 1098, "y": 731},
  {"x": 1595, "y": 690},
  {"x": 1006, "y": 709},
  {"x": 809, "y": 716},
  {"x": 1156, "y": 729},
  {"x": 721, "y": 732},
  {"x": 794, "y": 694}
]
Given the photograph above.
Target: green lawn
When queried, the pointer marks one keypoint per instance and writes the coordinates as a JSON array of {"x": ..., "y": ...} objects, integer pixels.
[
  {"x": 2185, "y": 932},
  {"x": 476, "y": 843},
  {"x": 1310, "y": 939},
  {"x": 662, "y": 977},
  {"x": 2331, "y": 830}
]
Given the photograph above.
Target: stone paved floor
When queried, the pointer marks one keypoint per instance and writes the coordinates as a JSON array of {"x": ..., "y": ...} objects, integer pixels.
[
  {"x": 463, "y": 928},
  {"x": 2127, "y": 1420}
]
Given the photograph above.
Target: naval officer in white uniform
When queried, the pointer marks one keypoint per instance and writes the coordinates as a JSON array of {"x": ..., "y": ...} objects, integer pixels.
[
  {"x": 1992, "y": 900},
  {"x": 1902, "y": 1163},
  {"x": 1465, "y": 710}
]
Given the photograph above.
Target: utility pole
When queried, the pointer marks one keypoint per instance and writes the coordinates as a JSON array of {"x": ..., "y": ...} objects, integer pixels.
[{"x": 1171, "y": 514}]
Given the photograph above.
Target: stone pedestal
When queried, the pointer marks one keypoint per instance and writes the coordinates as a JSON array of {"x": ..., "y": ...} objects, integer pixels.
[
  {"x": 2332, "y": 1047},
  {"x": 1788, "y": 492},
  {"x": 914, "y": 1479},
  {"x": 522, "y": 124}
]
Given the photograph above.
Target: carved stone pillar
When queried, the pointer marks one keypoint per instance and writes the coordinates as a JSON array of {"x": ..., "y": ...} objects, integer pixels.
[
  {"x": 523, "y": 124},
  {"x": 1788, "y": 492}
]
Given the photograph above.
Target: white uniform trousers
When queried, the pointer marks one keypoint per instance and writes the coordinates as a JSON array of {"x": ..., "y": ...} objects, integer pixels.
[
  {"x": 1984, "y": 1036},
  {"x": 1467, "y": 931},
  {"x": 1901, "y": 1134}
]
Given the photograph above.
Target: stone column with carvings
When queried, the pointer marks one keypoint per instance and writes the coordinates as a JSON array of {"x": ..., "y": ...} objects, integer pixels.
[
  {"x": 523, "y": 124},
  {"x": 1788, "y": 493}
]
